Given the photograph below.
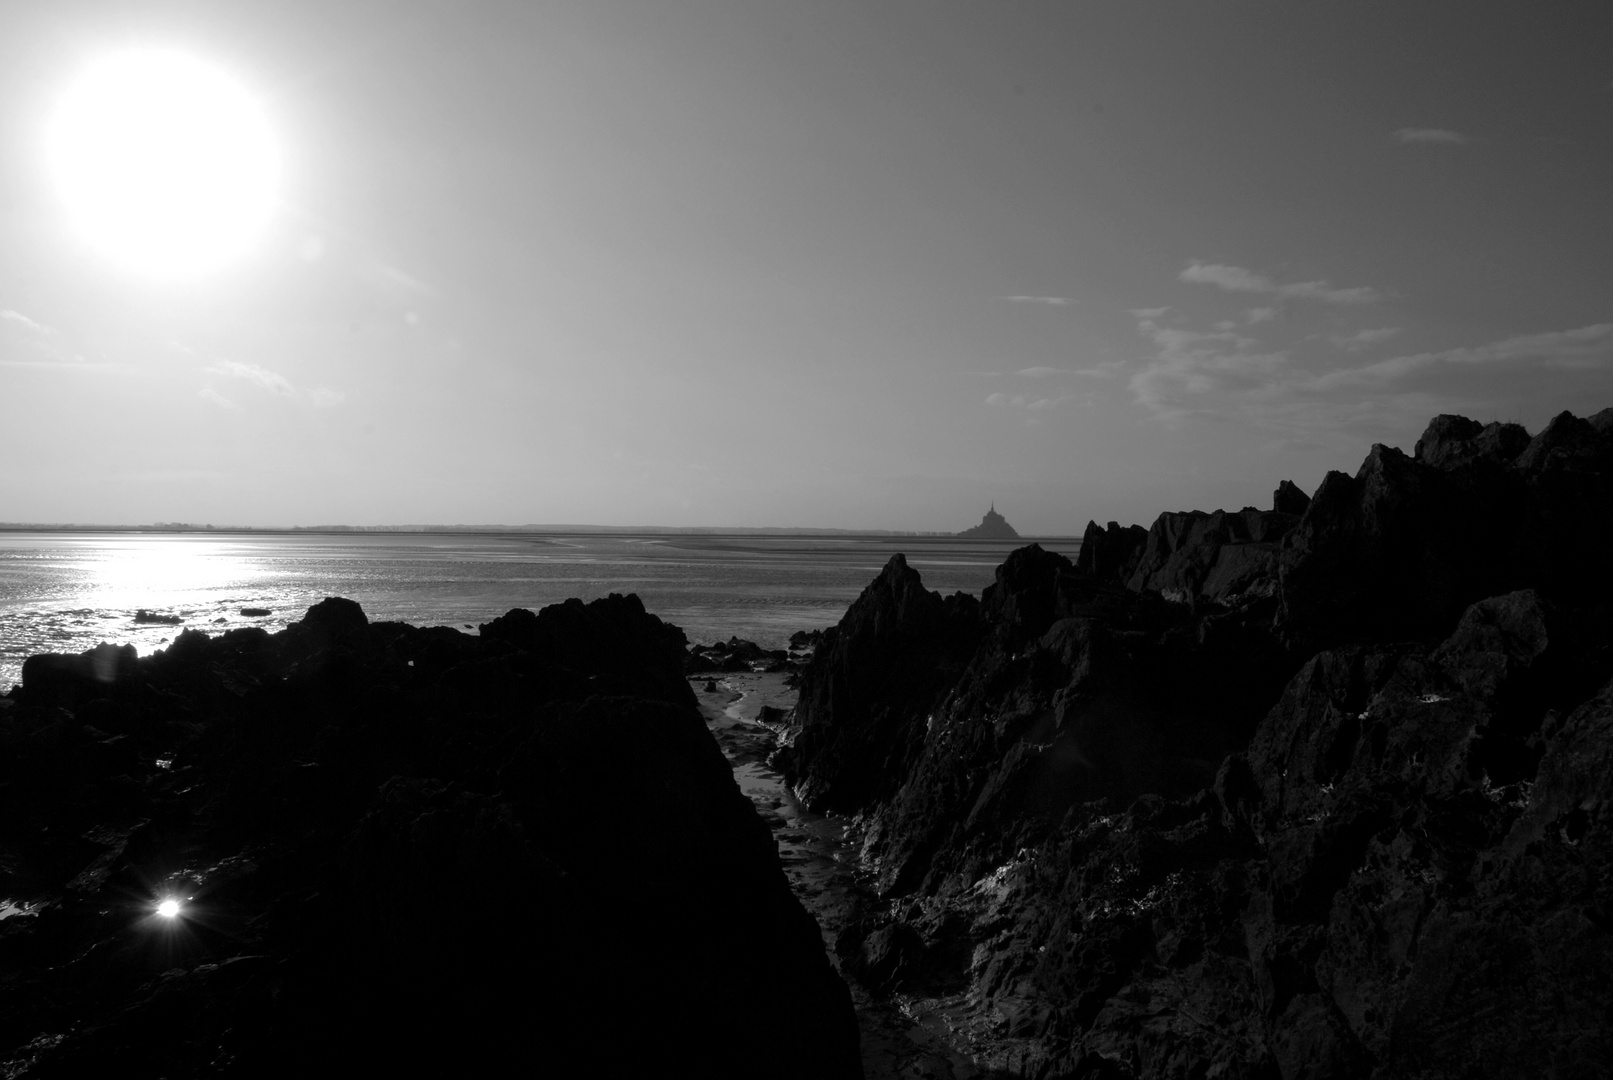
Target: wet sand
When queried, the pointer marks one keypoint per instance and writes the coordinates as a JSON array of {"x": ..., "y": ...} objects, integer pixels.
[{"x": 902, "y": 1038}]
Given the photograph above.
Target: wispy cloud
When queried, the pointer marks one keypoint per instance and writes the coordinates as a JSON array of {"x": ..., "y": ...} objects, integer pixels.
[
  {"x": 1586, "y": 347},
  {"x": 1237, "y": 279},
  {"x": 1148, "y": 312},
  {"x": 261, "y": 377},
  {"x": 1363, "y": 339},
  {"x": 207, "y": 393},
  {"x": 17, "y": 318},
  {"x": 1191, "y": 365},
  {"x": 1052, "y": 301},
  {"x": 1410, "y": 136},
  {"x": 272, "y": 382},
  {"x": 1259, "y": 315},
  {"x": 1099, "y": 371},
  {"x": 1027, "y": 401}
]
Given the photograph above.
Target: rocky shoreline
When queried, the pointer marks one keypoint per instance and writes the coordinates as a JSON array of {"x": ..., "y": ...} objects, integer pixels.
[
  {"x": 396, "y": 850},
  {"x": 1314, "y": 791}
]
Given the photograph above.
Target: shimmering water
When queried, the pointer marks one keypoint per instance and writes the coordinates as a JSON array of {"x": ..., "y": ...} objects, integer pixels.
[{"x": 64, "y": 592}]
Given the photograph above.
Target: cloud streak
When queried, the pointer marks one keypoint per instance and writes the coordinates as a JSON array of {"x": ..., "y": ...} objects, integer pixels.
[
  {"x": 271, "y": 382},
  {"x": 1027, "y": 401},
  {"x": 1227, "y": 375},
  {"x": 1410, "y": 136},
  {"x": 1191, "y": 366},
  {"x": 1363, "y": 339},
  {"x": 1586, "y": 347},
  {"x": 207, "y": 393},
  {"x": 260, "y": 377},
  {"x": 17, "y": 318},
  {"x": 1051, "y": 301},
  {"x": 1237, "y": 279}
]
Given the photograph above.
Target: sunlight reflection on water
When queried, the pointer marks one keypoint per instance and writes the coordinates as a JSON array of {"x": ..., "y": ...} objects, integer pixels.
[{"x": 64, "y": 592}]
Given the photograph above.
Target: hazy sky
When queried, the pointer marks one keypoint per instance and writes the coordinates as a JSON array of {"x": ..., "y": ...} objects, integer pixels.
[{"x": 849, "y": 264}]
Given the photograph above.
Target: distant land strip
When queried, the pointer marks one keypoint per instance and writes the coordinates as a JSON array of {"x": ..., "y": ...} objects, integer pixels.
[{"x": 614, "y": 530}]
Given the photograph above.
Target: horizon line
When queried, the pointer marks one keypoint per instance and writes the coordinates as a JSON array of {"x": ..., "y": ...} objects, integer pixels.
[{"x": 564, "y": 527}]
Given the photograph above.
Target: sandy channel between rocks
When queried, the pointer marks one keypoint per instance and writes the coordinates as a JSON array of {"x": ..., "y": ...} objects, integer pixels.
[{"x": 902, "y": 1038}]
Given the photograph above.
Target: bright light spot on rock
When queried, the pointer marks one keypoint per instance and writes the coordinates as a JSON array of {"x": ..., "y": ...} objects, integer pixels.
[{"x": 168, "y": 909}]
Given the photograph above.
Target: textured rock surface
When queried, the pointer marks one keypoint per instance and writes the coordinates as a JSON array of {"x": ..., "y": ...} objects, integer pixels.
[
  {"x": 407, "y": 851},
  {"x": 860, "y": 719},
  {"x": 1261, "y": 794}
]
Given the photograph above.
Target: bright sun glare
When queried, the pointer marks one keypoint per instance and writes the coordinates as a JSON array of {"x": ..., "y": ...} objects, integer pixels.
[
  {"x": 165, "y": 163},
  {"x": 168, "y": 908}
]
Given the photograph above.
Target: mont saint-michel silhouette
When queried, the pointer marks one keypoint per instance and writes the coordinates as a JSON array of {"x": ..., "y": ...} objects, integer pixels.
[{"x": 992, "y": 527}]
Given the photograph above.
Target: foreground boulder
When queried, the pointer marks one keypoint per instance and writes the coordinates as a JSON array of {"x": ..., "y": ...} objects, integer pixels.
[
  {"x": 1308, "y": 792},
  {"x": 401, "y": 851}
]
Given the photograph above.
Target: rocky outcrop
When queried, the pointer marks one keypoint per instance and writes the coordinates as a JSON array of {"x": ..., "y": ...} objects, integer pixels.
[
  {"x": 735, "y": 654},
  {"x": 1400, "y": 548},
  {"x": 1220, "y": 556},
  {"x": 863, "y": 704},
  {"x": 1111, "y": 554},
  {"x": 1289, "y": 499},
  {"x": 1315, "y": 791},
  {"x": 402, "y": 851}
]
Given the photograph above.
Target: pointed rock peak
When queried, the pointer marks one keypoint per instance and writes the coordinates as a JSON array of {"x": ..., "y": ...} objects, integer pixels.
[{"x": 1289, "y": 498}]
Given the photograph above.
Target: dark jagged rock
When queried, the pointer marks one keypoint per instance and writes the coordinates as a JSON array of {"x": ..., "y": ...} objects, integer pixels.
[
  {"x": 1217, "y": 556},
  {"x": 1341, "y": 810},
  {"x": 1110, "y": 554},
  {"x": 993, "y": 526},
  {"x": 1289, "y": 499},
  {"x": 1402, "y": 547},
  {"x": 1453, "y": 441},
  {"x": 862, "y": 707},
  {"x": 405, "y": 851},
  {"x": 806, "y": 639}
]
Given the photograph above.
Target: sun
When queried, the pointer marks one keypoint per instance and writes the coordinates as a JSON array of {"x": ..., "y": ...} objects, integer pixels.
[{"x": 164, "y": 163}]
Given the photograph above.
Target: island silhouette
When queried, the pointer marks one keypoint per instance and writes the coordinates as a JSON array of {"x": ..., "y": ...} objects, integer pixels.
[{"x": 993, "y": 526}]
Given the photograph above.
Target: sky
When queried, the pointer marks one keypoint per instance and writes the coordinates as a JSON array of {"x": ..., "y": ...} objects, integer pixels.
[{"x": 842, "y": 264}]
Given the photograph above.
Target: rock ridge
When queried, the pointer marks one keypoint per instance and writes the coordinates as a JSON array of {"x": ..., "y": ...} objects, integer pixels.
[
  {"x": 1318, "y": 790},
  {"x": 402, "y": 850}
]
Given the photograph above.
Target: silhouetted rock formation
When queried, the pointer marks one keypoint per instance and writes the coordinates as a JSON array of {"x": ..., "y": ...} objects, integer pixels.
[
  {"x": 1289, "y": 499},
  {"x": 1315, "y": 791},
  {"x": 993, "y": 526},
  {"x": 898, "y": 646},
  {"x": 411, "y": 851}
]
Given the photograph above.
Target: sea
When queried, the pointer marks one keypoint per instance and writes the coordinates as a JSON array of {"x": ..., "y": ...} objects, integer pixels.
[{"x": 68, "y": 591}]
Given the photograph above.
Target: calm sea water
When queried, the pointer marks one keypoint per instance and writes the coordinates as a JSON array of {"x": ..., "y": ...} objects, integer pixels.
[{"x": 65, "y": 592}]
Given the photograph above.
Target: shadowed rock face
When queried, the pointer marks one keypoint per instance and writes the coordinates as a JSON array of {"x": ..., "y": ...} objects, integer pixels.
[
  {"x": 1316, "y": 791},
  {"x": 861, "y": 713},
  {"x": 1399, "y": 549},
  {"x": 412, "y": 852}
]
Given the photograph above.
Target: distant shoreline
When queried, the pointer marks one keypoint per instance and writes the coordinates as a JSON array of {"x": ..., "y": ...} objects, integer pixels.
[{"x": 510, "y": 530}]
